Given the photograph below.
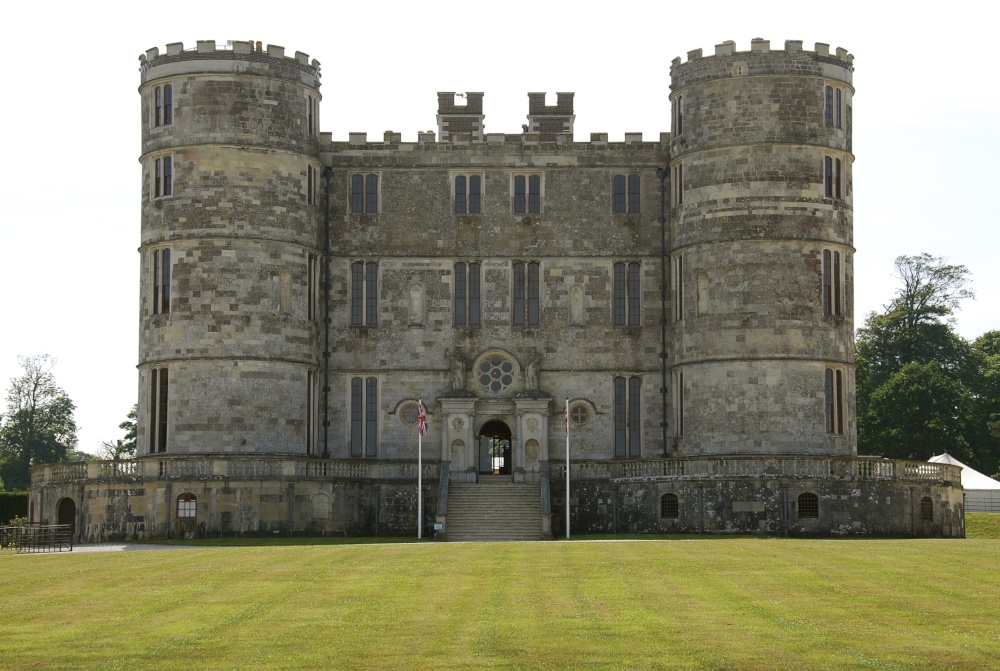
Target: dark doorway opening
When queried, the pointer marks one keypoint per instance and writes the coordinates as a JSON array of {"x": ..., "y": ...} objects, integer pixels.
[
  {"x": 494, "y": 449},
  {"x": 66, "y": 514}
]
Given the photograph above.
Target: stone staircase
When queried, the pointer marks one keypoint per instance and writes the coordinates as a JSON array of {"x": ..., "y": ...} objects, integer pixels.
[{"x": 495, "y": 509}]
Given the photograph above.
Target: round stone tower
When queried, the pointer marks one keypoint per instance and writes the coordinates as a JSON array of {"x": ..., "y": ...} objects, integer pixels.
[
  {"x": 761, "y": 252},
  {"x": 229, "y": 315}
]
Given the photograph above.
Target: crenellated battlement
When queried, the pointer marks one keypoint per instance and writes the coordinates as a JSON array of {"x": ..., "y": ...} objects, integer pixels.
[
  {"x": 248, "y": 50},
  {"x": 491, "y": 143},
  {"x": 760, "y": 59}
]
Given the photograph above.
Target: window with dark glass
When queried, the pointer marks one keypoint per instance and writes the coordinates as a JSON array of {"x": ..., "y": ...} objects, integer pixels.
[
  {"x": 310, "y": 112},
  {"x": 364, "y": 194},
  {"x": 678, "y": 263},
  {"x": 527, "y": 194},
  {"x": 311, "y": 174},
  {"x": 467, "y": 294},
  {"x": 161, "y": 281},
  {"x": 834, "y": 401},
  {"x": 679, "y": 402},
  {"x": 364, "y": 417},
  {"x": 526, "y": 294},
  {"x": 837, "y": 108},
  {"x": 625, "y": 294},
  {"x": 163, "y": 177},
  {"x": 808, "y": 505},
  {"x": 625, "y": 194},
  {"x": 832, "y": 293},
  {"x": 468, "y": 194},
  {"x": 312, "y": 287},
  {"x": 364, "y": 294},
  {"x": 669, "y": 506},
  {"x": 163, "y": 105},
  {"x": 926, "y": 509},
  {"x": 627, "y": 416},
  {"x": 158, "y": 401},
  {"x": 828, "y": 106},
  {"x": 679, "y": 184},
  {"x": 310, "y": 411}
]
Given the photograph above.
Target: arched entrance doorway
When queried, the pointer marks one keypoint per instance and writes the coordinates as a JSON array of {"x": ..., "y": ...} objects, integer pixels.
[
  {"x": 66, "y": 514},
  {"x": 495, "y": 455}
]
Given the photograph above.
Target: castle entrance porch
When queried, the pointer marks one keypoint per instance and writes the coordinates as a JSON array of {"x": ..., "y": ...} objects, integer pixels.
[{"x": 495, "y": 452}]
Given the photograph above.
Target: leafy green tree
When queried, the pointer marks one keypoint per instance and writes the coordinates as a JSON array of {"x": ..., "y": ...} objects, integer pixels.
[
  {"x": 918, "y": 412},
  {"x": 983, "y": 375},
  {"x": 124, "y": 448},
  {"x": 913, "y": 376},
  {"x": 38, "y": 427}
]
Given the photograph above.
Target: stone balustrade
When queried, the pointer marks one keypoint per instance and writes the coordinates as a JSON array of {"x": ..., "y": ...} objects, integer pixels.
[
  {"x": 253, "y": 467},
  {"x": 229, "y": 467},
  {"x": 847, "y": 468}
]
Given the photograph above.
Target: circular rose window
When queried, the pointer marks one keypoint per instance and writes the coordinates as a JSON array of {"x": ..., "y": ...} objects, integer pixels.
[{"x": 496, "y": 373}]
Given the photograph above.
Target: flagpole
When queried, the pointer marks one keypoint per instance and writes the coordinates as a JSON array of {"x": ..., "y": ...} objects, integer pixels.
[
  {"x": 420, "y": 474},
  {"x": 566, "y": 412}
]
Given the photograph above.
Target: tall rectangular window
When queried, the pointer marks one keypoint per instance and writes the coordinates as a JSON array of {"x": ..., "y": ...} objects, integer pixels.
[
  {"x": 832, "y": 283},
  {"x": 158, "y": 400},
  {"x": 468, "y": 194},
  {"x": 310, "y": 113},
  {"x": 311, "y": 190},
  {"x": 163, "y": 177},
  {"x": 828, "y": 176},
  {"x": 834, "y": 401},
  {"x": 364, "y": 417},
  {"x": 828, "y": 106},
  {"x": 364, "y": 294},
  {"x": 836, "y": 178},
  {"x": 678, "y": 184},
  {"x": 837, "y": 108},
  {"x": 678, "y": 278},
  {"x": 161, "y": 281},
  {"x": 627, "y": 416},
  {"x": 678, "y": 115},
  {"x": 310, "y": 411},
  {"x": 163, "y": 106},
  {"x": 527, "y": 194},
  {"x": 679, "y": 403},
  {"x": 625, "y": 194},
  {"x": 312, "y": 287},
  {"x": 467, "y": 294},
  {"x": 526, "y": 294},
  {"x": 364, "y": 194},
  {"x": 625, "y": 293}
]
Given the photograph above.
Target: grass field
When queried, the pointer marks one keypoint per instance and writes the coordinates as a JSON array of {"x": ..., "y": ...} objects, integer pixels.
[{"x": 729, "y": 603}]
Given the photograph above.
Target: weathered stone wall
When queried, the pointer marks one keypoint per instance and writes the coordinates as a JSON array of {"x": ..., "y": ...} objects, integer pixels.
[
  {"x": 146, "y": 510},
  {"x": 759, "y": 506},
  {"x": 416, "y": 238},
  {"x": 237, "y": 336},
  {"x": 750, "y": 223}
]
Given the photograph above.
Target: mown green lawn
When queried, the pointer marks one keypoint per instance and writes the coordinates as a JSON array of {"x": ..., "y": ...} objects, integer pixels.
[{"x": 737, "y": 603}]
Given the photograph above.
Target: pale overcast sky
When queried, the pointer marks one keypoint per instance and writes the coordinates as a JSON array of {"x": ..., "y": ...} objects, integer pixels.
[{"x": 926, "y": 136}]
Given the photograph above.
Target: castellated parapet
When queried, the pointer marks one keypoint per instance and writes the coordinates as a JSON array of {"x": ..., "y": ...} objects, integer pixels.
[
  {"x": 237, "y": 218},
  {"x": 763, "y": 201},
  {"x": 689, "y": 296}
]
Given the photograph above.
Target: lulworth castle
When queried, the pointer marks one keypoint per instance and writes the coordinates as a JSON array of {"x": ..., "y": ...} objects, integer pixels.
[{"x": 675, "y": 313}]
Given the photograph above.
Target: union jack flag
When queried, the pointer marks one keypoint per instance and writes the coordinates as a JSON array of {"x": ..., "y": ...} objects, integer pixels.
[{"x": 421, "y": 418}]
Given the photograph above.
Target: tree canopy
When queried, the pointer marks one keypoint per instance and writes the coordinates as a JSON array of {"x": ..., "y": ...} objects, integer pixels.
[
  {"x": 921, "y": 388},
  {"x": 38, "y": 425},
  {"x": 125, "y": 447}
]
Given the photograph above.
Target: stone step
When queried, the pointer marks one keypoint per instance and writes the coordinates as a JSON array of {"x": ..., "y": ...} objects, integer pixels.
[{"x": 495, "y": 509}]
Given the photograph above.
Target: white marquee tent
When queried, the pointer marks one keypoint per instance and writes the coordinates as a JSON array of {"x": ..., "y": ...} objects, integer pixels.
[{"x": 982, "y": 493}]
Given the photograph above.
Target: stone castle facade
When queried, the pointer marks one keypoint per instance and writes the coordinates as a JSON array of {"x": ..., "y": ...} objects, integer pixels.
[{"x": 688, "y": 298}]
